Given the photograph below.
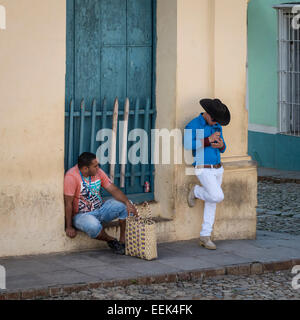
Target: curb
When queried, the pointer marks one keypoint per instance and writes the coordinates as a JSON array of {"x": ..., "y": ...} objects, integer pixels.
[
  {"x": 278, "y": 180},
  {"x": 237, "y": 269}
]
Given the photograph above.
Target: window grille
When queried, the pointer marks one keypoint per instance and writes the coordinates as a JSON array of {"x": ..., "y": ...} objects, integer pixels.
[{"x": 288, "y": 71}]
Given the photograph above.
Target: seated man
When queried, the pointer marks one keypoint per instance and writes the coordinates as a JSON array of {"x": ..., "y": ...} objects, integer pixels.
[{"x": 84, "y": 208}]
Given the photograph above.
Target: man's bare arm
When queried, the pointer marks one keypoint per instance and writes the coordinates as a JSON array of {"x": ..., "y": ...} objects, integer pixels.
[
  {"x": 70, "y": 231},
  {"x": 120, "y": 196}
]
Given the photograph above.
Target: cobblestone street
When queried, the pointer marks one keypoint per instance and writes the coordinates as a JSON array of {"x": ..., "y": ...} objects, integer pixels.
[
  {"x": 256, "y": 287},
  {"x": 278, "y": 210},
  {"x": 278, "y": 207}
]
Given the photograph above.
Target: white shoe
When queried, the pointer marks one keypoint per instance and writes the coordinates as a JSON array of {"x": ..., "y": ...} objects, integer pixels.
[
  {"x": 191, "y": 197},
  {"x": 207, "y": 243}
]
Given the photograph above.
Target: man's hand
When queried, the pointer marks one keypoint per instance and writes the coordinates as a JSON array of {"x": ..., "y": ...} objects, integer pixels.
[
  {"x": 214, "y": 137},
  {"x": 131, "y": 208},
  {"x": 71, "y": 232},
  {"x": 219, "y": 144}
]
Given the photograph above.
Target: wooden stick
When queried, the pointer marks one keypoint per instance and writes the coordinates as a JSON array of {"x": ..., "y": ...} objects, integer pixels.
[
  {"x": 124, "y": 143},
  {"x": 114, "y": 140},
  {"x": 93, "y": 139}
]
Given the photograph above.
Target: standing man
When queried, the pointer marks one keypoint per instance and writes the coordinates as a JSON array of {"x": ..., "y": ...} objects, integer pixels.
[
  {"x": 210, "y": 172},
  {"x": 84, "y": 208}
]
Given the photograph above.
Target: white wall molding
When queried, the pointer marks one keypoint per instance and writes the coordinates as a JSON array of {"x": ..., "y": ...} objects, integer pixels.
[
  {"x": 262, "y": 128},
  {"x": 2, "y": 18}
]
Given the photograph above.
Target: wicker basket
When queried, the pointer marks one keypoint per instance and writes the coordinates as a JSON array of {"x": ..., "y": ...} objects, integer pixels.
[{"x": 141, "y": 236}]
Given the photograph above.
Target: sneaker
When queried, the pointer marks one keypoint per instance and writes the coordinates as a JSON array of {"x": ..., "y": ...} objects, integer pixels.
[
  {"x": 191, "y": 197},
  {"x": 116, "y": 246},
  {"x": 207, "y": 243},
  {"x": 122, "y": 245}
]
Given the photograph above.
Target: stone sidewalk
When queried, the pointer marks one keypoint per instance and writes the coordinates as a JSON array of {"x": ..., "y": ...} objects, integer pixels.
[
  {"x": 278, "y": 175},
  {"x": 52, "y": 275}
]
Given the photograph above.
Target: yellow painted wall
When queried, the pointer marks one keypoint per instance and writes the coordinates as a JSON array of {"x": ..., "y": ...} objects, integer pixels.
[
  {"x": 201, "y": 52},
  {"x": 210, "y": 63},
  {"x": 32, "y": 88},
  {"x": 212, "y": 50}
]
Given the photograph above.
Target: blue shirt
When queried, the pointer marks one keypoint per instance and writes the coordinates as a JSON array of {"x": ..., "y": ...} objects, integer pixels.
[{"x": 211, "y": 155}]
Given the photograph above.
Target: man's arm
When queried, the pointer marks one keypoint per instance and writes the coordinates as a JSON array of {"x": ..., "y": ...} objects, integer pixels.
[
  {"x": 223, "y": 148},
  {"x": 192, "y": 134},
  {"x": 120, "y": 196},
  {"x": 70, "y": 231}
]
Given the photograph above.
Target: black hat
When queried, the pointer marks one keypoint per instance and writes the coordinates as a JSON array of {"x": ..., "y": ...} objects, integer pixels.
[{"x": 217, "y": 110}]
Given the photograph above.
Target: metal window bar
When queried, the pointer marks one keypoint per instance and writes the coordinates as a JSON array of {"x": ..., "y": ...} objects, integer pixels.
[
  {"x": 103, "y": 118},
  {"x": 289, "y": 74}
]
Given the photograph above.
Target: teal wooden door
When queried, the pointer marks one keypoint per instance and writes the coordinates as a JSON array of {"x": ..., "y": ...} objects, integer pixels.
[{"x": 110, "y": 53}]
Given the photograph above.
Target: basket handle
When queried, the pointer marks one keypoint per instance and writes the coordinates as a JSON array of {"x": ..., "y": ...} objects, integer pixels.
[{"x": 145, "y": 208}]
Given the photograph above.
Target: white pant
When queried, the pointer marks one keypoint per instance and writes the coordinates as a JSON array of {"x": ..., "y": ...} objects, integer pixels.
[{"x": 210, "y": 192}]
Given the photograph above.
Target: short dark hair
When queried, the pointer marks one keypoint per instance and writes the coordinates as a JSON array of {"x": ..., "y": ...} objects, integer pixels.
[{"x": 85, "y": 159}]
